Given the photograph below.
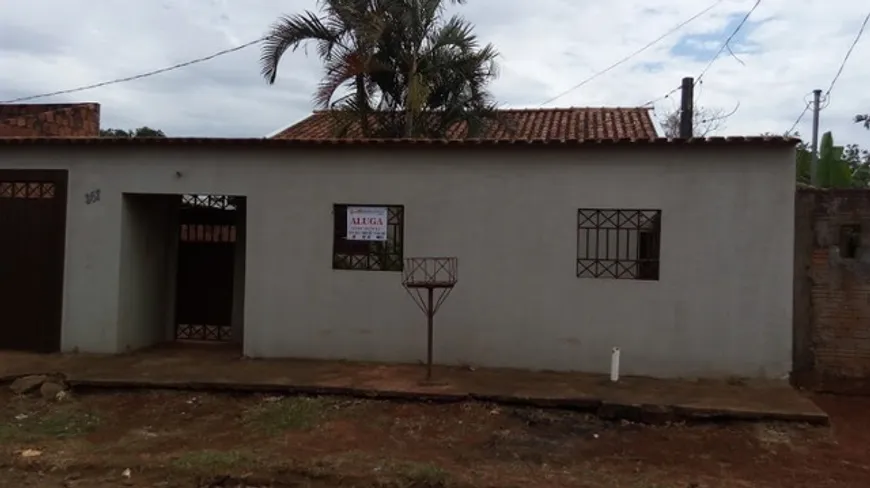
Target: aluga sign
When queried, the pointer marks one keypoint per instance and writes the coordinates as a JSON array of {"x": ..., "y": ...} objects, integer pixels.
[{"x": 366, "y": 224}]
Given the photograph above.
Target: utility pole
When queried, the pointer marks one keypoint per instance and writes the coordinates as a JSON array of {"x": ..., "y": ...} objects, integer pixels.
[
  {"x": 814, "y": 166},
  {"x": 687, "y": 109}
]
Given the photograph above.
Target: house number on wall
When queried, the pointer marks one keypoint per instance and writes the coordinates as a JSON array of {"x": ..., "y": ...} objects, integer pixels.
[{"x": 92, "y": 196}]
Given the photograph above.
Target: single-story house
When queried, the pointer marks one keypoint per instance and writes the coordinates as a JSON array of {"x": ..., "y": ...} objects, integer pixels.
[{"x": 579, "y": 232}]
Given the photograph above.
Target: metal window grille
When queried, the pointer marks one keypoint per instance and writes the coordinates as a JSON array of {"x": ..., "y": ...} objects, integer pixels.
[
  {"x": 208, "y": 233},
  {"x": 618, "y": 243},
  {"x": 223, "y": 202},
  {"x": 31, "y": 190},
  {"x": 188, "y": 332},
  {"x": 369, "y": 255}
]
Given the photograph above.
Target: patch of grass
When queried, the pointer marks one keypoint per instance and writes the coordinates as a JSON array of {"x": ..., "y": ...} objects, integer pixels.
[
  {"x": 423, "y": 475},
  {"x": 213, "y": 462},
  {"x": 61, "y": 422},
  {"x": 293, "y": 413}
]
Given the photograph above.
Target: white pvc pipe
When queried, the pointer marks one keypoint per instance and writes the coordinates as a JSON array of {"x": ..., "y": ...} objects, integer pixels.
[{"x": 614, "y": 365}]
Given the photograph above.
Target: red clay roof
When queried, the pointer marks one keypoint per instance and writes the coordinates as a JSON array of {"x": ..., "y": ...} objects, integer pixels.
[
  {"x": 552, "y": 124},
  {"x": 50, "y": 120},
  {"x": 424, "y": 143}
]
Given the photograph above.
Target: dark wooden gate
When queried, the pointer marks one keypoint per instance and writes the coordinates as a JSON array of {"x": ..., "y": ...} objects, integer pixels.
[
  {"x": 32, "y": 243},
  {"x": 206, "y": 262}
]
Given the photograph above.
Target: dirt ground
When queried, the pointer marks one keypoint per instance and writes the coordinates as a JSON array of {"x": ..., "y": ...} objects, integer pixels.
[{"x": 172, "y": 439}]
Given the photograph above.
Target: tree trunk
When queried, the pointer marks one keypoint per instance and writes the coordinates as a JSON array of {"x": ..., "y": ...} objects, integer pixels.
[
  {"x": 363, "y": 106},
  {"x": 409, "y": 109}
]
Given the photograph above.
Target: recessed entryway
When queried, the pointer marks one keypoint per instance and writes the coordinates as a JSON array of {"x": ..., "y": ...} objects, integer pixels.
[
  {"x": 210, "y": 274},
  {"x": 182, "y": 269}
]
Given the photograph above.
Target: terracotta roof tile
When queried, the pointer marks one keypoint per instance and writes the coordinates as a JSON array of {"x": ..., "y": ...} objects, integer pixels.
[
  {"x": 556, "y": 124},
  {"x": 50, "y": 120}
]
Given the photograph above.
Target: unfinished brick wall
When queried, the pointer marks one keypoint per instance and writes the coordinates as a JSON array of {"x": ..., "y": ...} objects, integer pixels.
[
  {"x": 50, "y": 120},
  {"x": 832, "y": 290}
]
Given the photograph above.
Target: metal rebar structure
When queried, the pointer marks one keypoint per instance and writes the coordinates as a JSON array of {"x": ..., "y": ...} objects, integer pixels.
[{"x": 429, "y": 281}]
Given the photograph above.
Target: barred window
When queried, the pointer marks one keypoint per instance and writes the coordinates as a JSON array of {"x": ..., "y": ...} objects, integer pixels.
[
  {"x": 371, "y": 255},
  {"x": 618, "y": 243}
]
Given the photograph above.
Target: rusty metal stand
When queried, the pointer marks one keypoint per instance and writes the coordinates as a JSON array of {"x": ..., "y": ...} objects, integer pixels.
[
  {"x": 430, "y": 319},
  {"x": 430, "y": 274}
]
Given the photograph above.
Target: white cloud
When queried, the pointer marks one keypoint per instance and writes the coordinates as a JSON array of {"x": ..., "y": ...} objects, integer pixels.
[{"x": 547, "y": 47}]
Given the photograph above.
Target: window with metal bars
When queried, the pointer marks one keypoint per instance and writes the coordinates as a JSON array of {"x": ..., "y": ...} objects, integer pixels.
[
  {"x": 618, "y": 243},
  {"x": 368, "y": 255}
]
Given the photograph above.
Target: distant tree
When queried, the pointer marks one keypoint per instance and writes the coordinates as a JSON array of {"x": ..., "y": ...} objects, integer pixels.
[
  {"x": 143, "y": 131},
  {"x": 838, "y": 167},
  {"x": 863, "y": 118},
  {"x": 833, "y": 170},
  {"x": 859, "y": 163},
  {"x": 804, "y": 161},
  {"x": 705, "y": 121}
]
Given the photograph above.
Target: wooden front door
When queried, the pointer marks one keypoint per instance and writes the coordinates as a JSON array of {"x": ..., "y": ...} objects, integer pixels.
[{"x": 32, "y": 244}]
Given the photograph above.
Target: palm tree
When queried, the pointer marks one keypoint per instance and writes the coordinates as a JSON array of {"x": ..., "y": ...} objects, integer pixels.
[
  {"x": 863, "y": 118},
  {"x": 437, "y": 72},
  {"x": 345, "y": 36},
  {"x": 407, "y": 71}
]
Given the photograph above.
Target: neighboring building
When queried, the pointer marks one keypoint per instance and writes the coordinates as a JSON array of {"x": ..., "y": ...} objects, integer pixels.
[
  {"x": 50, "y": 120},
  {"x": 832, "y": 290},
  {"x": 582, "y": 233}
]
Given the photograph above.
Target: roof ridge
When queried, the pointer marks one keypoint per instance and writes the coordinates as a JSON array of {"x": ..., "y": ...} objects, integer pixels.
[
  {"x": 313, "y": 142},
  {"x": 524, "y": 109},
  {"x": 520, "y": 123}
]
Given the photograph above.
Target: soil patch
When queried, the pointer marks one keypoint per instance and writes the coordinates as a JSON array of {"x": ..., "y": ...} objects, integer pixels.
[{"x": 183, "y": 439}]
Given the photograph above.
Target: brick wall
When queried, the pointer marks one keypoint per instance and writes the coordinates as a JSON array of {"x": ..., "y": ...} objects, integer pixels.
[
  {"x": 50, "y": 120},
  {"x": 832, "y": 290}
]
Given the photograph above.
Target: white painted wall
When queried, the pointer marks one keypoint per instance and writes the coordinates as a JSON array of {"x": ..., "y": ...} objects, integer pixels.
[
  {"x": 145, "y": 270},
  {"x": 722, "y": 305},
  {"x": 238, "y": 314}
]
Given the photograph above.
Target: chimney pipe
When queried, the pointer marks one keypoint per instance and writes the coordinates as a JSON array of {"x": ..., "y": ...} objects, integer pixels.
[{"x": 687, "y": 109}]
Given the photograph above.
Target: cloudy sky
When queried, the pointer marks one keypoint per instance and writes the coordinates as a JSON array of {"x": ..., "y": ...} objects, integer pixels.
[{"x": 787, "y": 48}]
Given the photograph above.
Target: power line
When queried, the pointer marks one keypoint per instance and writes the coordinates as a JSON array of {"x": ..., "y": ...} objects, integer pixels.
[
  {"x": 727, "y": 44},
  {"x": 623, "y": 60},
  {"x": 848, "y": 53},
  {"x": 666, "y": 95},
  {"x": 139, "y": 76},
  {"x": 721, "y": 117},
  {"x": 800, "y": 117},
  {"x": 827, "y": 98}
]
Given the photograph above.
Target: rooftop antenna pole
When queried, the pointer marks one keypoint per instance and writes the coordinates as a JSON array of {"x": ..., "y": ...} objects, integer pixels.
[{"x": 687, "y": 109}]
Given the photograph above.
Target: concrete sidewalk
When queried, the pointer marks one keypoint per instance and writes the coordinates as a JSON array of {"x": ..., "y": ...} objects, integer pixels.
[{"x": 221, "y": 368}]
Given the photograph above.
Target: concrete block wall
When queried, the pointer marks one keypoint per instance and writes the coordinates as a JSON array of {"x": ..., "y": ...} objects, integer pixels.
[
  {"x": 832, "y": 290},
  {"x": 50, "y": 120}
]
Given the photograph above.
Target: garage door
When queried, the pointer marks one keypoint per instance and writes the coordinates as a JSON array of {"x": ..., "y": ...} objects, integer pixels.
[{"x": 32, "y": 231}]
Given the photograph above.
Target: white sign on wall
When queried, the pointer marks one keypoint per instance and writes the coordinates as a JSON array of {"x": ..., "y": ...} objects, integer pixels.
[{"x": 366, "y": 223}]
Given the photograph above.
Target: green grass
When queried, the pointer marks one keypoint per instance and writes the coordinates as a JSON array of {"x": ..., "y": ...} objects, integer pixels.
[
  {"x": 293, "y": 413},
  {"x": 58, "y": 422},
  {"x": 213, "y": 462},
  {"x": 423, "y": 475}
]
